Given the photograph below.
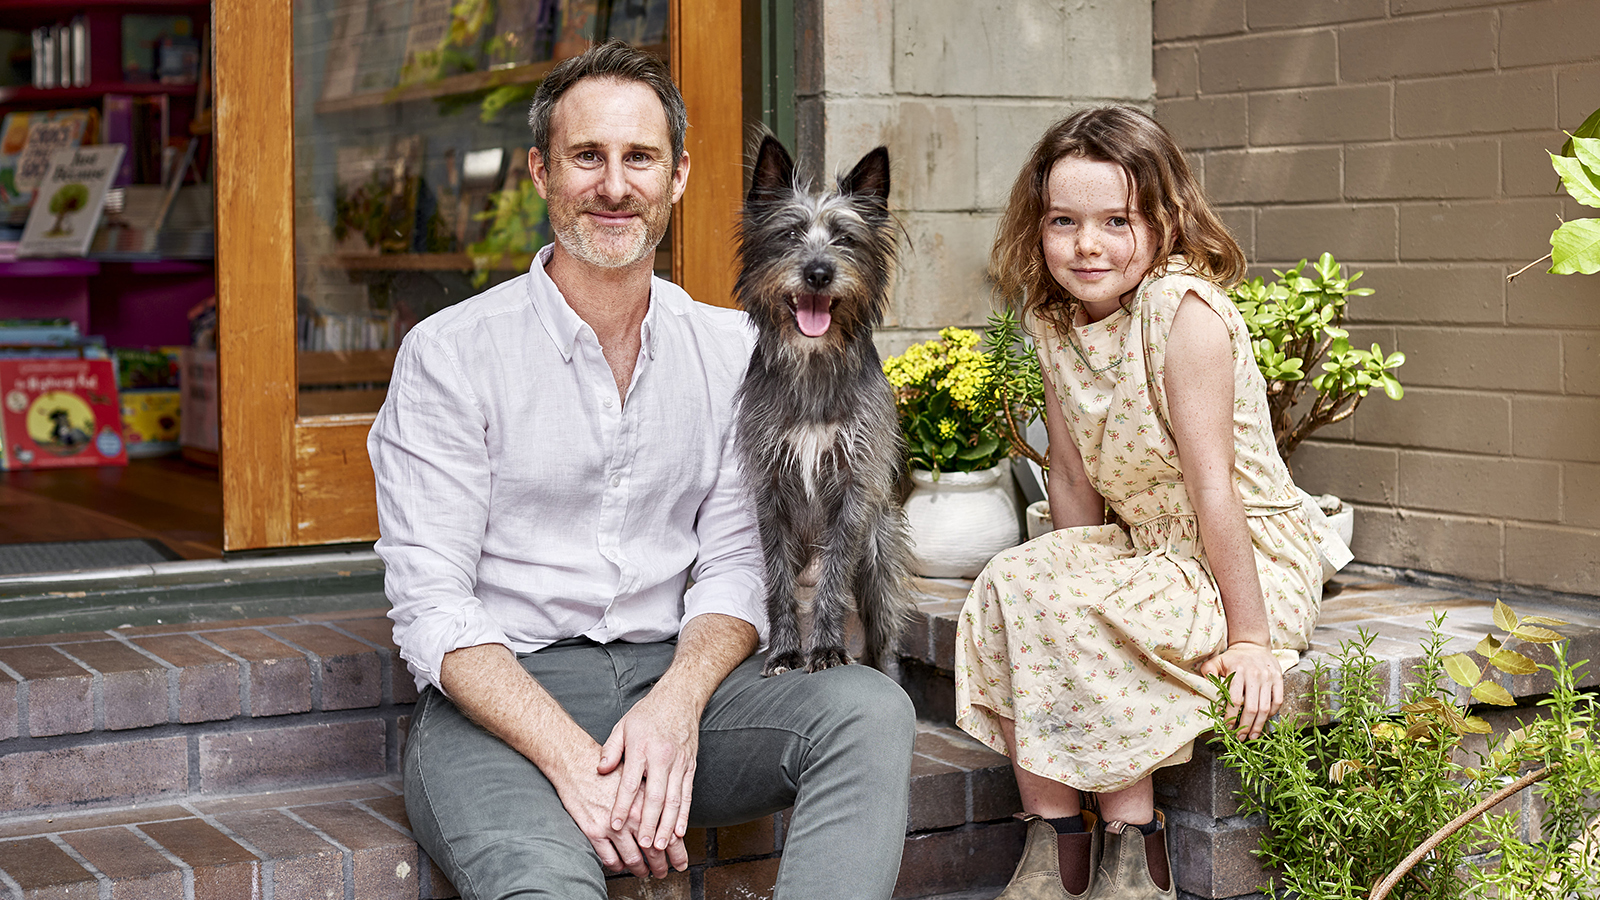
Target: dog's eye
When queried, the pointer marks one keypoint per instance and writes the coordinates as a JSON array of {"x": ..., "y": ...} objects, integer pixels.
[{"x": 845, "y": 240}]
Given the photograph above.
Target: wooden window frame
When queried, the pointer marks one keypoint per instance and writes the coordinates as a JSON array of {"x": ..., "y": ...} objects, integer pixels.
[{"x": 290, "y": 480}]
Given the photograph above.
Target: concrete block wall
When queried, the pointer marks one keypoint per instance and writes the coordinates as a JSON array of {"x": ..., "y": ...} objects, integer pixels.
[
  {"x": 958, "y": 91},
  {"x": 1408, "y": 137}
]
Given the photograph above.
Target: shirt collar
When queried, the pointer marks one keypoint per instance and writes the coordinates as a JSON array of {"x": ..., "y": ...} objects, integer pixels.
[{"x": 563, "y": 324}]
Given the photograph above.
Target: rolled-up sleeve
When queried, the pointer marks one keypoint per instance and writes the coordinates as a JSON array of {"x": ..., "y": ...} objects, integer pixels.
[
  {"x": 729, "y": 575},
  {"x": 431, "y": 462}
]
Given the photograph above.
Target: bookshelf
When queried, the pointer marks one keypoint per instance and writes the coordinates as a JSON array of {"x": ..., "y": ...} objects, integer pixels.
[{"x": 131, "y": 298}]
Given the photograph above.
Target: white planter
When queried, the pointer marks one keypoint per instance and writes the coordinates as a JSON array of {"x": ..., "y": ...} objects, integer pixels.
[
  {"x": 961, "y": 521},
  {"x": 1038, "y": 518}
]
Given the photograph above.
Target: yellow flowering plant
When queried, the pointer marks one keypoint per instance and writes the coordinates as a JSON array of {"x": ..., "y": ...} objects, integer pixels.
[{"x": 945, "y": 392}]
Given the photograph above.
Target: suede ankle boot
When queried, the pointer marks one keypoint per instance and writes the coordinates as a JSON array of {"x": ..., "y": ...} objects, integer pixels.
[
  {"x": 1038, "y": 874},
  {"x": 1133, "y": 866}
]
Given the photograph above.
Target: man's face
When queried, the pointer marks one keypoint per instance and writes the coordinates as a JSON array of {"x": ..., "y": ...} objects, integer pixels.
[{"x": 610, "y": 181}]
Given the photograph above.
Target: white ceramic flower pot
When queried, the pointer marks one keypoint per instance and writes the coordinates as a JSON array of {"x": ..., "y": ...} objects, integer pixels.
[
  {"x": 1038, "y": 518},
  {"x": 961, "y": 521}
]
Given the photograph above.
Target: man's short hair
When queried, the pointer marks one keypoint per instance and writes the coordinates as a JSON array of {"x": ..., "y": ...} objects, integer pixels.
[{"x": 612, "y": 59}]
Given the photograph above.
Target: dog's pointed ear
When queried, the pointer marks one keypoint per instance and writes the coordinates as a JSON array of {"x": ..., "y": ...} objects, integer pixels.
[
  {"x": 774, "y": 171},
  {"x": 870, "y": 177}
]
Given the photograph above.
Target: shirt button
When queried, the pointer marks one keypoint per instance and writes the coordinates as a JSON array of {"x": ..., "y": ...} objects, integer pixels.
[
  {"x": 616, "y": 480},
  {"x": 606, "y": 403}
]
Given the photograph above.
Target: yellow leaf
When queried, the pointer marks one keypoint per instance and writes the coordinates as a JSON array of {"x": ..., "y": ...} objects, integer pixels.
[
  {"x": 1489, "y": 692},
  {"x": 1535, "y": 634},
  {"x": 1475, "y": 725},
  {"x": 1542, "y": 620},
  {"x": 1461, "y": 669},
  {"x": 1488, "y": 645},
  {"x": 1343, "y": 769},
  {"x": 1419, "y": 730},
  {"x": 1513, "y": 663},
  {"x": 1504, "y": 618},
  {"x": 1425, "y": 705}
]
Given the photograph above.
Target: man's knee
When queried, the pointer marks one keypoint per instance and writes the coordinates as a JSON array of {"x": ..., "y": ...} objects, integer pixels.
[{"x": 869, "y": 705}]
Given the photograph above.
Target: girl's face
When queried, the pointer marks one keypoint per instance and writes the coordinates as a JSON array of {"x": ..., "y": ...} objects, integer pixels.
[{"x": 1096, "y": 245}]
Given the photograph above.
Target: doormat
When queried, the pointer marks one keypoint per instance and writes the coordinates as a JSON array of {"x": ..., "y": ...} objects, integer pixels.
[{"x": 65, "y": 556}]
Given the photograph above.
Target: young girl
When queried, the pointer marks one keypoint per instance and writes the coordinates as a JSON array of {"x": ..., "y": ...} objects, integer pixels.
[{"x": 1083, "y": 655}]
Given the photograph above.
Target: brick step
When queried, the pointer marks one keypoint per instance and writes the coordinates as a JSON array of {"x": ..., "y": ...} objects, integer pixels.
[
  {"x": 266, "y": 751},
  {"x": 352, "y": 839},
  {"x": 1209, "y": 841}
]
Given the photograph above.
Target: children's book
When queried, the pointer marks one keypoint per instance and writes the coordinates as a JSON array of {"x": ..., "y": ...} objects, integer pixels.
[
  {"x": 71, "y": 196},
  {"x": 20, "y": 169},
  {"x": 59, "y": 412}
]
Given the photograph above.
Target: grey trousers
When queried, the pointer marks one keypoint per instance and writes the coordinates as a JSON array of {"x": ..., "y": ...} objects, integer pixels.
[{"x": 835, "y": 745}]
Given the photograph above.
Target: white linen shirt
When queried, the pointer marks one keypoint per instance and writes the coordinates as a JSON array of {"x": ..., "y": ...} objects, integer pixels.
[{"x": 520, "y": 503}]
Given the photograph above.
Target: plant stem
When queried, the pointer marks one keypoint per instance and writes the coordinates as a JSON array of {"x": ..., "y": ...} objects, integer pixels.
[
  {"x": 1406, "y": 865},
  {"x": 1527, "y": 267}
]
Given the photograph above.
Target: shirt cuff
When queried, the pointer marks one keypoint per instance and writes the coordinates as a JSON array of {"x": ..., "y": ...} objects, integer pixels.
[
  {"x": 428, "y": 637},
  {"x": 738, "y": 598}
]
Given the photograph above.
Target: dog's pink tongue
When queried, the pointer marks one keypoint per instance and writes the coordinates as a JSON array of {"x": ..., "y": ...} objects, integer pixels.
[{"x": 812, "y": 315}]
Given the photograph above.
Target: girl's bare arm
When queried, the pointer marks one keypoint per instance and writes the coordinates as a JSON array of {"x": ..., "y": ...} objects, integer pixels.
[{"x": 1200, "y": 398}]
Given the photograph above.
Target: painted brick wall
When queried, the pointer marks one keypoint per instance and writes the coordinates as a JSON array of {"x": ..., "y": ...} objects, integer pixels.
[
  {"x": 958, "y": 91},
  {"x": 1408, "y": 137}
]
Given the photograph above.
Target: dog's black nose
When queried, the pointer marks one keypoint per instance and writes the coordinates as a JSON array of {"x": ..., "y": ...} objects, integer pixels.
[{"x": 818, "y": 275}]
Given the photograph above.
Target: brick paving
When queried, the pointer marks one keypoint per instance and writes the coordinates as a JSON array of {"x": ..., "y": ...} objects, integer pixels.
[{"x": 260, "y": 757}]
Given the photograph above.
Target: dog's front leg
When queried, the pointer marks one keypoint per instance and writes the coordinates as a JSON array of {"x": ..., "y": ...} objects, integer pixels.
[
  {"x": 841, "y": 557},
  {"x": 785, "y": 553}
]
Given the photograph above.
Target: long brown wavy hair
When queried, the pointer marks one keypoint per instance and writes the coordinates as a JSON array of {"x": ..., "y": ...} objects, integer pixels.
[{"x": 1167, "y": 195}]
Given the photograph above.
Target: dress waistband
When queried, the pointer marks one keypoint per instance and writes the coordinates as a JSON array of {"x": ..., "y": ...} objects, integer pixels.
[{"x": 1171, "y": 498}]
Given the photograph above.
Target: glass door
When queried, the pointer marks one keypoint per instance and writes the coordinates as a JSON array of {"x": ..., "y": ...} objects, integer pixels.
[{"x": 371, "y": 170}]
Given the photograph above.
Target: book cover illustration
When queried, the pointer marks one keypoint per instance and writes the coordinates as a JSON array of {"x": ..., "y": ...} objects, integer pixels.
[
  {"x": 64, "y": 218},
  {"x": 16, "y": 193},
  {"x": 59, "y": 412}
]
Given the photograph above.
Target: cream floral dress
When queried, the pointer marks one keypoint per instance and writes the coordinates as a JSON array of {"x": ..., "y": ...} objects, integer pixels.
[{"x": 1091, "y": 639}]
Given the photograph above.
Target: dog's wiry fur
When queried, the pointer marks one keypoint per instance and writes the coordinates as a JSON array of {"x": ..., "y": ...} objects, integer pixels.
[{"x": 819, "y": 438}]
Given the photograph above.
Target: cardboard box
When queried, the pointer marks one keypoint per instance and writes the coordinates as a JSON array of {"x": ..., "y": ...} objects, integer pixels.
[
  {"x": 150, "y": 421},
  {"x": 56, "y": 413}
]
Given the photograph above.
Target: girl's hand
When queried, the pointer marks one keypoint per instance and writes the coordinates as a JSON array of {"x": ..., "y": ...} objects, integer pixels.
[{"x": 1257, "y": 688}]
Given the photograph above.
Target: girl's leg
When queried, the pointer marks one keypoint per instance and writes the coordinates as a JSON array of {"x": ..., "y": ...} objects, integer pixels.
[
  {"x": 1041, "y": 796},
  {"x": 1135, "y": 805},
  {"x": 1051, "y": 799}
]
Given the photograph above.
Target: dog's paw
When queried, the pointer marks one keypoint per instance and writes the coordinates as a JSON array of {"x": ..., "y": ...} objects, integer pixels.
[
  {"x": 827, "y": 658},
  {"x": 783, "y": 662}
]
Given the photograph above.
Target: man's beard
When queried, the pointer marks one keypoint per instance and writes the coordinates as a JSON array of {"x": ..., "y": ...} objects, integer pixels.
[{"x": 603, "y": 246}]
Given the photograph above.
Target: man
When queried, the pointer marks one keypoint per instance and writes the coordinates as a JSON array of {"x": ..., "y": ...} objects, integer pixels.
[{"x": 554, "y": 465}]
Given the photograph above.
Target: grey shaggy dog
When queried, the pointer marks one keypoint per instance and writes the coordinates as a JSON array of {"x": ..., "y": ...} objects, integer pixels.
[{"x": 819, "y": 439}]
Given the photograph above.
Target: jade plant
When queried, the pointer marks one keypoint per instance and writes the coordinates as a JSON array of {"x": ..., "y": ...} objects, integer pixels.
[{"x": 1365, "y": 801}]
